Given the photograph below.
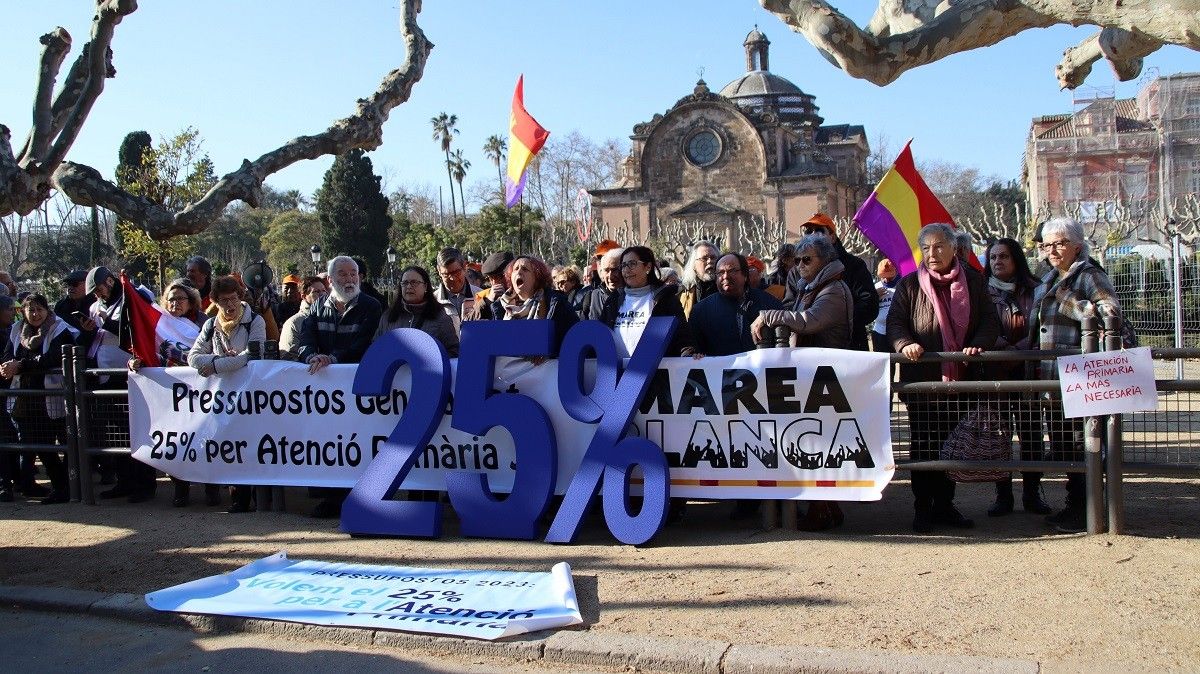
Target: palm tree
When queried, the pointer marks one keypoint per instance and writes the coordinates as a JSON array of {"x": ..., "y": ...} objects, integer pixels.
[
  {"x": 457, "y": 165},
  {"x": 443, "y": 132},
  {"x": 495, "y": 148}
]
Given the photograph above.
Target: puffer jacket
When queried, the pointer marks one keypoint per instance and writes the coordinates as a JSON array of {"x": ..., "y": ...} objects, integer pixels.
[
  {"x": 1061, "y": 304},
  {"x": 911, "y": 320},
  {"x": 826, "y": 319}
]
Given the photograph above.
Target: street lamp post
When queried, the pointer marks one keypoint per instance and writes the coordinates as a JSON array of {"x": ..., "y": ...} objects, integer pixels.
[
  {"x": 391, "y": 260},
  {"x": 315, "y": 253}
]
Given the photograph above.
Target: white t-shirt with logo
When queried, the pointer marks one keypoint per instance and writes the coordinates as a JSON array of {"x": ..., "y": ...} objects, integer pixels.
[{"x": 632, "y": 317}]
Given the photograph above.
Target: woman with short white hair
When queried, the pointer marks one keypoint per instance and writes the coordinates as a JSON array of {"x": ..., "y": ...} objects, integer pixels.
[
  {"x": 1074, "y": 290},
  {"x": 943, "y": 306}
]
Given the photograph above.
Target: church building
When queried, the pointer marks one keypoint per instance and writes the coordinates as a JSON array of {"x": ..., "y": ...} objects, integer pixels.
[{"x": 757, "y": 151}]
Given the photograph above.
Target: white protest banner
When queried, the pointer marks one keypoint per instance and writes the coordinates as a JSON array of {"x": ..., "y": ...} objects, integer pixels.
[
  {"x": 1109, "y": 382},
  {"x": 479, "y": 604},
  {"x": 769, "y": 424}
]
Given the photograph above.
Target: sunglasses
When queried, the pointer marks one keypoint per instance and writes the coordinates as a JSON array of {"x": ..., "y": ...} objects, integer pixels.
[
  {"x": 816, "y": 230},
  {"x": 806, "y": 259}
]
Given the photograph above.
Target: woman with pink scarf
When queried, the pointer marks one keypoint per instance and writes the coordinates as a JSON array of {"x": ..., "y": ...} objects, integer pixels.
[{"x": 943, "y": 306}]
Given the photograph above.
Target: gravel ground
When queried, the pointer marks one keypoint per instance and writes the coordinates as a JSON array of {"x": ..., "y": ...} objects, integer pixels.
[{"x": 1008, "y": 588}]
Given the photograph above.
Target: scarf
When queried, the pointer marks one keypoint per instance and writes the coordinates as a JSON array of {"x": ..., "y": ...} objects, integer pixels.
[
  {"x": 33, "y": 338},
  {"x": 228, "y": 325},
  {"x": 515, "y": 308},
  {"x": 953, "y": 313},
  {"x": 1001, "y": 285}
]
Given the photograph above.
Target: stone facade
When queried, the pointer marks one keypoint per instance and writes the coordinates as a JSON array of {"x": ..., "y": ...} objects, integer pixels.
[{"x": 754, "y": 152}]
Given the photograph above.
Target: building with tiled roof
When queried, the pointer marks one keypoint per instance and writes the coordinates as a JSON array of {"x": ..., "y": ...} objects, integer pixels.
[
  {"x": 1139, "y": 153},
  {"x": 758, "y": 150}
]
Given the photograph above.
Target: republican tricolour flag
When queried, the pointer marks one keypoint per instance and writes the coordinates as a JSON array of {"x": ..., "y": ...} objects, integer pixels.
[
  {"x": 151, "y": 325},
  {"x": 896, "y": 211},
  {"x": 525, "y": 138}
]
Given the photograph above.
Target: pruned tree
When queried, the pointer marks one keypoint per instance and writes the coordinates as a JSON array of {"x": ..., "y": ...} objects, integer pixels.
[
  {"x": 26, "y": 177},
  {"x": 905, "y": 34}
]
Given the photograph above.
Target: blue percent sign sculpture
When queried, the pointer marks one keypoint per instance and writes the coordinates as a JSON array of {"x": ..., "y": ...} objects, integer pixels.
[{"x": 609, "y": 460}]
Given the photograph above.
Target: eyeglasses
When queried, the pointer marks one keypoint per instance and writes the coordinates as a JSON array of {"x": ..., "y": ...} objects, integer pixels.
[
  {"x": 1054, "y": 245},
  {"x": 805, "y": 259},
  {"x": 177, "y": 298},
  {"x": 411, "y": 283},
  {"x": 632, "y": 263}
]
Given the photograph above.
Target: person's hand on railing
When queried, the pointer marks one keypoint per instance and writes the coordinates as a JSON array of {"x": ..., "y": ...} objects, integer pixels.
[
  {"x": 135, "y": 364},
  {"x": 756, "y": 329},
  {"x": 973, "y": 350},
  {"x": 913, "y": 351}
]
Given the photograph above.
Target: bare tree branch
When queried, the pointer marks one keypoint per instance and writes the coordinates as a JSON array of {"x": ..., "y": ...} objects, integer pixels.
[
  {"x": 56, "y": 126},
  {"x": 362, "y": 130},
  {"x": 57, "y": 44},
  {"x": 905, "y": 34}
]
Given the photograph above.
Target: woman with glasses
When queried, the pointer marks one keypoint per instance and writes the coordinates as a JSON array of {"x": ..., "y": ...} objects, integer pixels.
[
  {"x": 417, "y": 307},
  {"x": 182, "y": 303},
  {"x": 943, "y": 306},
  {"x": 822, "y": 316},
  {"x": 224, "y": 346},
  {"x": 645, "y": 296},
  {"x": 1074, "y": 289}
]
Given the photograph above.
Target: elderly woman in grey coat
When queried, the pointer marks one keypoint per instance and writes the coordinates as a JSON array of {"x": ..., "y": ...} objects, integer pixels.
[
  {"x": 823, "y": 316},
  {"x": 1072, "y": 290},
  {"x": 224, "y": 346},
  {"x": 943, "y": 306}
]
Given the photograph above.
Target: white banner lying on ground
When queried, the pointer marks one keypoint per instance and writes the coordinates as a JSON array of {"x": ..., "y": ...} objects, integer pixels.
[
  {"x": 480, "y": 604},
  {"x": 769, "y": 424},
  {"x": 1109, "y": 382}
]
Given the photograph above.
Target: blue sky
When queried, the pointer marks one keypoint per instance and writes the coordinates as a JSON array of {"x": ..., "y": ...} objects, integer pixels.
[{"x": 250, "y": 75}]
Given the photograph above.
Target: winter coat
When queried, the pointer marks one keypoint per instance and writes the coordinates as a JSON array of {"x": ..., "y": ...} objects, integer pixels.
[
  {"x": 826, "y": 319},
  {"x": 342, "y": 336},
  {"x": 666, "y": 303},
  {"x": 862, "y": 289},
  {"x": 715, "y": 322},
  {"x": 35, "y": 367},
  {"x": 911, "y": 320},
  {"x": 554, "y": 307},
  {"x": 212, "y": 345},
  {"x": 1061, "y": 304},
  {"x": 441, "y": 327}
]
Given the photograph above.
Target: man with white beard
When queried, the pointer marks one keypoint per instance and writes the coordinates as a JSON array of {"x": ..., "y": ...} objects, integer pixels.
[
  {"x": 342, "y": 324},
  {"x": 338, "y": 329}
]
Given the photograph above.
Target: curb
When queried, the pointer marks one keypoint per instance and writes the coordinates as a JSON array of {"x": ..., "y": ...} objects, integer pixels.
[{"x": 571, "y": 647}]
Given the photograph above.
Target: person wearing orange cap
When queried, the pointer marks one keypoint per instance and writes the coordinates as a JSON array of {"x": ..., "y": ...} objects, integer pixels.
[
  {"x": 856, "y": 276},
  {"x": 757, "y": 268},
  {"x": 595, "y": 279},
  {"x": 289, "y": 305}
]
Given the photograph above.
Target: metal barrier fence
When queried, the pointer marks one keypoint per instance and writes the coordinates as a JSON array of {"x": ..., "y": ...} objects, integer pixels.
[{"x": 1164, "y": 441}]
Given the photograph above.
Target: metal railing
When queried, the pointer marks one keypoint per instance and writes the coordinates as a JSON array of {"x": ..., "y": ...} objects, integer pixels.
[{"x": 1165, "y": 441}]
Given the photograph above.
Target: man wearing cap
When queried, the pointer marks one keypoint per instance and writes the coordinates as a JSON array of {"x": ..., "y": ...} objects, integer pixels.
[
  {"x": 454, "y": 292},
  {"x": 78, "y": 302},
  {"x": 289, "y": 304},
  {"x": 856, "y": 276},
  {"x": 109, "y": 342},
  {"x": 611, "y": 281},
  {"x": 493, "y": 271}
]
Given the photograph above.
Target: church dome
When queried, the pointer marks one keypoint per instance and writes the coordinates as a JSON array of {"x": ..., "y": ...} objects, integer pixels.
[{"x": 760, "y": 83}]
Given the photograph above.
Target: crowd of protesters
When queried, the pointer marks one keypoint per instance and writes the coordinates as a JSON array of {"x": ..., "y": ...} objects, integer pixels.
[{"x": 725, "y": 302}]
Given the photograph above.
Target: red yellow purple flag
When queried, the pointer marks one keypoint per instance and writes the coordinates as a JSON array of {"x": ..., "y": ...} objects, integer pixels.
[
  {"x": 525, "y": 138},
  {"x": 896, "y": 211}
]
